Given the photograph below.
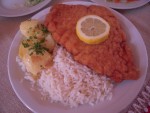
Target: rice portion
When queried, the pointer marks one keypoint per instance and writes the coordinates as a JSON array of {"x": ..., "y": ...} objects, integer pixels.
[{"x": 73, "y": 84}]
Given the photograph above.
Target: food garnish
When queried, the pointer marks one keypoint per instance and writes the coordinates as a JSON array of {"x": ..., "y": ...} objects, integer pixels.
[
  {"x": 30, "y": 3},
  {"x": 92, "y": 29},
  {"x": 37, "y": 46}
]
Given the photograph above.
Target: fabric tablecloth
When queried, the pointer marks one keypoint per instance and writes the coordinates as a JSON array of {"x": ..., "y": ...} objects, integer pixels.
[{"x": 9, "y": 102}]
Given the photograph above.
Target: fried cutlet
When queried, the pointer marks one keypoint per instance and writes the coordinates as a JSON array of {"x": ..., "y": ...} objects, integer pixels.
[{"x": 112, "y": 58}]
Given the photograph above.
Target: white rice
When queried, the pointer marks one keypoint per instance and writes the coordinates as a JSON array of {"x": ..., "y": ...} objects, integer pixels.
[{"x": 73, "y": 84}]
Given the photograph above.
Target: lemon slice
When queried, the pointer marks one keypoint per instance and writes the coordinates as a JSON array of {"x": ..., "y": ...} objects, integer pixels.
[{"x": 92, "y": 29}]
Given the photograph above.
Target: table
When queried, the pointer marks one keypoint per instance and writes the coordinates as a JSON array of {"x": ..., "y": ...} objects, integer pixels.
[{"x": 9, "y": 102}]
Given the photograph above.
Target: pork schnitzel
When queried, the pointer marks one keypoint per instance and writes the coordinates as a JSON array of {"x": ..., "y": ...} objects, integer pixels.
[{"x": 112, "y": 57}]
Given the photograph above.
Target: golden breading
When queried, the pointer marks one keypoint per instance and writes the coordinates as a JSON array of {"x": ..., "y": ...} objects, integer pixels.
[{"x": 112, "y": 58}]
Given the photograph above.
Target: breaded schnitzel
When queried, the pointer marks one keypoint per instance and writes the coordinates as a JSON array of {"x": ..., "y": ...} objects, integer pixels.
[{"x": 112, "y": 58}]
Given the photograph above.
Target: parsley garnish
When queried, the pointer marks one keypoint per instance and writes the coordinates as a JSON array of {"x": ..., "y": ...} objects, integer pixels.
[
  {"x": 44, "y": 29},
  {"x": 36, "y": 46},
  {"x": 25, "y": 44}
]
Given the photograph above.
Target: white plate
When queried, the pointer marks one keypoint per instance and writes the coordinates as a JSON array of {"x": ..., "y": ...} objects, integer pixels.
[
  {"x": 15, "y": 8},
  {"x": 130, "y": 5},
  {"x": 124, "y": 92}
]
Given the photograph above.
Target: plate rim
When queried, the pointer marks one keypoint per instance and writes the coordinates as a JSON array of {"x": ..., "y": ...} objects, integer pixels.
[
  {"x": 30, "y": 11},
  {"x": 120, "y": 5},
  {"x": 73, "y": 2}
]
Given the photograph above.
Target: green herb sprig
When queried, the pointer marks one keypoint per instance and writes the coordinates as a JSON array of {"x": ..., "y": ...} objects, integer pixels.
[
  {"x": 44, "y": 29},
  {"x": 36, "y": 46}
]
